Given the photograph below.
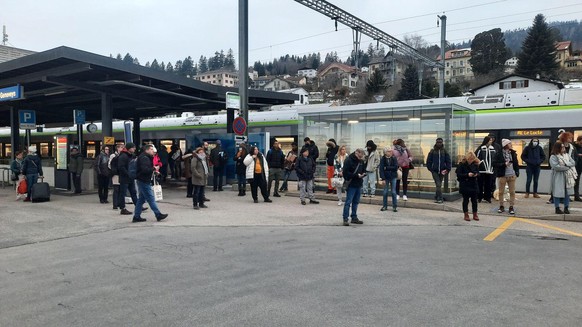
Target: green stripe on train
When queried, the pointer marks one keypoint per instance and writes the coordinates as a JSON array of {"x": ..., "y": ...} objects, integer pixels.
[{"x": 527, "y": 109}]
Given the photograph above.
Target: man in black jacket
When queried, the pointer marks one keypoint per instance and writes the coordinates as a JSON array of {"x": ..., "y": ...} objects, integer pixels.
[
  {"x": 218, "y": 158},
  {"x": 276, "y": 161},
  {"x": 305, "y": 169},
  {"x": 145, "y": 172},
  {"x": 125, "y": 182},
  {"x": 354, "y": 171}
]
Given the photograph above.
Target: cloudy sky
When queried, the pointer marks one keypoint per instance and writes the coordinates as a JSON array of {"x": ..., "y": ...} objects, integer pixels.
[{"x": 173, "y": 29}]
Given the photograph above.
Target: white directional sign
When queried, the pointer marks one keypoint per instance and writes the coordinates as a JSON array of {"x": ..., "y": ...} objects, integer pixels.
[{"x": 238, "y": 139}]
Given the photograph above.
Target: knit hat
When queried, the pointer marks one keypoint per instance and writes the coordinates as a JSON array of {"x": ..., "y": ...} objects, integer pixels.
[
  {"x": 439, "y": 139},
  {"x": 505, "y": 142},
  {"x": 32, "y": 149},
  {"x": 129, "y": 145},
  {"x": 218, "y": 142}
]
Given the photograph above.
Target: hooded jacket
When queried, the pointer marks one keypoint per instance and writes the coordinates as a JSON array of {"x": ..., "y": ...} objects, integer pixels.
[
  {"x": 332, "y": 150},
  {"x": 250, "y": 163},
  {"x": 32, "y": 165},
  {"x": 388, "y": 168},
  {"x": 305, "y": 168},
  {"x": 486, "y": 154},
  {"x": 533, "y": 155}
]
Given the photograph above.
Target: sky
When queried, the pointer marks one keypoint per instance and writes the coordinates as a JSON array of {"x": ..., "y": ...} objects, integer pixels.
[{"x": 171, "y": 30}]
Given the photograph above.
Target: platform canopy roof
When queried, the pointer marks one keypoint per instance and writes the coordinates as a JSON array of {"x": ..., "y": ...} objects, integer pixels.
[{"x": 63, "y": 79}]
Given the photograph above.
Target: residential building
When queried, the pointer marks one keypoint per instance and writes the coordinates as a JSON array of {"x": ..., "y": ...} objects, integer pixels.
[
  {"x": 388, "y": 65},
  {"x": 574, "y": 62},
  {"x": 303, "y": 95},
  {"x": 307, "y": 72},
  {"x": 9, "y": 53},
  {"x": 515, "y": 83},
  {"x": 563, "y": 52},
  {"x": 253, "y": 74},
  {"x": 348, "y": 75},
  {"x": 278, "y": 84},
  {"x": 510, "y": 65},
  {"x": 259, "y": 82},
  {"x": 457, "y": 66},
  {"x": 219, "y": 77}
]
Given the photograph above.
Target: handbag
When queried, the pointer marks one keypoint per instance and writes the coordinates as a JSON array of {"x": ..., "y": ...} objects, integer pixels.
[
  {"x": 337, "y": 181},
  {"x": 158, "y": 194},
  {"x": 399, "y": 174}
]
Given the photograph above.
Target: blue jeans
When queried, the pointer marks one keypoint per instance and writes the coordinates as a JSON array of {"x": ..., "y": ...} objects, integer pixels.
[
  {"x": 391, "y": 190},
  {"x": 370, "y": 178},
  {"x": 30, "y": 180},
  {"x": 566, "y": 200},
  {"x": 286, "y": 175},
  {"x": 146, "y": 193},
  {"x": 242, "y": 181},
  {"x": 352, "y": 198},
  {"x": 532, "y": 172}
]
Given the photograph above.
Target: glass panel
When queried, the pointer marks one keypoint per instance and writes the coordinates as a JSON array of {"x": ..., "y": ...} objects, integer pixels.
[
  {"x": 44, "y": 149},
  {"x": 520, "y": 144}
]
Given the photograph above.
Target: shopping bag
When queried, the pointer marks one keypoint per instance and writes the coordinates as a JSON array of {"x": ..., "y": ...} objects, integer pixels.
[
  {"x": 399, "y": 174},
  {"x": 337, "y": 181},
  {"x": 158, "y": 195}
]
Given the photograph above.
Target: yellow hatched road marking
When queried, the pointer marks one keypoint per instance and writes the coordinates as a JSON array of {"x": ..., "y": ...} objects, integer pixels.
[
  {"x": 561, "y": 230},
  {"x": 499, "y": 230}
]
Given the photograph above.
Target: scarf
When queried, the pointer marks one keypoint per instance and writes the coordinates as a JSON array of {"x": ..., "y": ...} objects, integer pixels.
[
  {"x": 202, "y": 158},
  {"x": 571, "y": 174},
  {"x": 400, "y": 149}
]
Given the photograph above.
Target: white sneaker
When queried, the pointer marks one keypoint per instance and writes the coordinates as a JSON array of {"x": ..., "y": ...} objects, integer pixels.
[
  {"x": 364, "y": 195},
  {"x": 339, "y": 203},
  {"x": 398, "y": 197},
  {"x": 405, "y": 198}
]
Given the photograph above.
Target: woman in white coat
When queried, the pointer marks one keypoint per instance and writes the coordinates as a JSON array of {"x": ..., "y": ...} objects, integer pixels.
[
  {"x": 563, "y": 176},
  {"x": 257, "y": 173}
]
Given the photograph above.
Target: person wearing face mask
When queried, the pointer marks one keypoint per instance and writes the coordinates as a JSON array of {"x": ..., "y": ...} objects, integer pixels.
[
  {"x": 533, "y": 155},
  {"x": 199, "y": 169},
  {"x": 438, "y": 163}
]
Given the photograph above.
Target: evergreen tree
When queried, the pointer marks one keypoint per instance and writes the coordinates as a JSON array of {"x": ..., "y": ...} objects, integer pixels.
[
  {"x": 409, "y": 90},
  {"x": 376, "y": 84},
  {"x": 538, "y": 51},
  {"x": 169, "y": 67},
  {"x": 202, "y": 65},
  {"x": 119, "y": 57},
  {"x": 162, "y": 66},
  {"x": 128, "y": 58},
  {"x": 488, "y": 52},
  {"x": 430, "y": 88},
  {"x": 229, "y": 61},
  {"x": 147, "y": 64},
  {"x": 178, "y": 67},
  {"x": 135, "y": 61},
  {"x": 187, "y": 67},
  {"x": 155, "y": 65},
  {"x": 259, "y": 68},
  {"x": 452, "y": 90}
]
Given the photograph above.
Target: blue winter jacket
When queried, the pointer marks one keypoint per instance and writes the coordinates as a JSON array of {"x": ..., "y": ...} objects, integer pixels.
[
  {"x": 533, "y": 155},
  {"x": 388, "y": 168}
]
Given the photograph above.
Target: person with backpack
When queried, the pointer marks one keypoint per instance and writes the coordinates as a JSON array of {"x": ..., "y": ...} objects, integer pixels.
[
  {"x": 289, "y": 165},
  {"x": 32, "y": 169},
  {"x": 276, "y": 161},
  {"x": 388, "y": 175},
  {"x": 438, "y": 163},
  {"x": 218, "y": 158},
  {"x": 145, "y": 172},
  {"x": 75, "y": 167},
  {"x": 114, "y": 173},
  {"x": 102, "y": 171},
  {"x": 127, "y": 168}
]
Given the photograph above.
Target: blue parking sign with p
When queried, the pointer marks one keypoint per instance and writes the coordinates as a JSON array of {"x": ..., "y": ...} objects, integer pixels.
[
  {"x": 79, "y": 116},
  {"x": 27, "y": 119}
]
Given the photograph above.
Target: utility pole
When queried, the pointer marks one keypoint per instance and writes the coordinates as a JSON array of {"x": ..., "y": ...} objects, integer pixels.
[
  {"x": 4, "y": 35},
  {"x": 443, "y": 19},
  {"x": 243, "y": 60}
]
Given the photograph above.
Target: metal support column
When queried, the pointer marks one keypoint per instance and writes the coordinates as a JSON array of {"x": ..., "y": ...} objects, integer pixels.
[
  {"x": 106, "y": 115},
  {"x": 443, "y": 19},
  {"x": 137, "y": 131},
  {"x": 357, "y": 37},
  {"x": 243, "y": 60},
  {"x": 14, "y": 132},
  {"x": 80, "y": 138}
]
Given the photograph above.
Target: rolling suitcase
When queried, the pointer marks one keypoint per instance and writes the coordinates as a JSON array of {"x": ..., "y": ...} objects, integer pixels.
[{"x": 40, "y": 192}]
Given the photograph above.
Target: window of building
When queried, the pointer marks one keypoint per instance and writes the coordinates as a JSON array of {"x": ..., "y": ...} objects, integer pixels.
[
  {"x": 513, "y": 84},
  {"x": 447, "y": 73},
  {"x": 448, "y": 64},
  {"x": 461, "y": 71},
  {"x": 462, "y": 63}
]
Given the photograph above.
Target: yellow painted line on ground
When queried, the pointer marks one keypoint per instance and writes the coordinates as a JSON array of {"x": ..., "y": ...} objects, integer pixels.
[
  {"x": 499, "y": 230},
  {"x": 561, "y": 230}
]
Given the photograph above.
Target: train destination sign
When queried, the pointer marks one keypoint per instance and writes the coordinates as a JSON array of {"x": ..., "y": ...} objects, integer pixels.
[
  {"x": 533, "y": 132},
  {"x": 12, "y": 93}
]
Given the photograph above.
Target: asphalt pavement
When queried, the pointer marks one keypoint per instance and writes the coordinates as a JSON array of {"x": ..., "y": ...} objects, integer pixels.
[{"x": 75, "y": 262}]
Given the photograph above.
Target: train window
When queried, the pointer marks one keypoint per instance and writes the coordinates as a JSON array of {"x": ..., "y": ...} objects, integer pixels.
[
  {"x": 1, "y": 152},
  {"x": 168, "y": 144},
  {"x": 576, "y": 134},
  {"x": 183, "y": 145},
  {"x": 44, "y": 149},
  {"x": 520, "y": 144},
  {"x": 91, "y": 150},
  {"x": 8, "y": 151}
]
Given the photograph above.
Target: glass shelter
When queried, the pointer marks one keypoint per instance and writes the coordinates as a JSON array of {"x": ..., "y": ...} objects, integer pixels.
[{"x": 418, "y": 123}]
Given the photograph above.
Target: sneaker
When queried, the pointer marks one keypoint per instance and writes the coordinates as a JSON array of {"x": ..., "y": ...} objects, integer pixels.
[
  {"x": 138, "y": 220},
  {"x": 511, "y": 211},
  {"x": 313, "y": 201},
  {"x": 398, "y": 197},
  {"x": 303, "y": 202},
  {"x": 501, "y": 209},
  {"x": 203, "y": 206},
  {"x": 364, "y": 195},
  {"x": 196, "y": 208},
  {"x": 161, "y": 216},
  {"x": 404, "y": 198},
  {"x": 383, "y": 209},
  {"x": 346, "y": 223},
  {"x": 339, "y": 203},
  {"x": 526, "y": 196},
  {"x": 357, "y": 221},
  {"x": 439, "y": 201},
  {"x": 268, "y": 200},
  {"x": 276, "y": 195},
  {"x": 395, "y": 209},
  {"x": 125, "y": 212},
  {"x": 256, "y": 201}
]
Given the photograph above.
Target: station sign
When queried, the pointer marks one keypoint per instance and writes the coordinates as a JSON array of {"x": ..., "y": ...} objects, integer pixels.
[
  {"x": 12, "y": 93},
  {"x": 232, "y": 100},
  {"x": 532, "y": 132},
  {"x": 79, "y": 116},
  {"x": 27, "y": 119}
]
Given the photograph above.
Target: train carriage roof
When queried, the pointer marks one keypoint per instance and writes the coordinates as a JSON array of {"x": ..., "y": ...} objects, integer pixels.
[{"x": 63, "y": 79}]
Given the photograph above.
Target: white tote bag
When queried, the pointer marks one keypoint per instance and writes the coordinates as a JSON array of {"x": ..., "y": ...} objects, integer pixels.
[{"x": 158, "y": 194}]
